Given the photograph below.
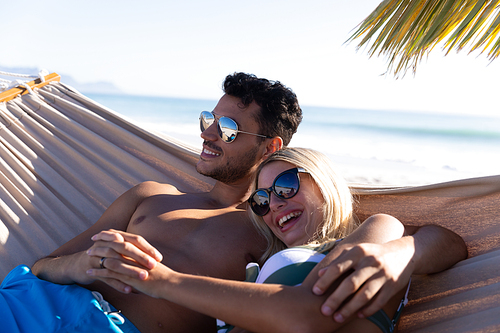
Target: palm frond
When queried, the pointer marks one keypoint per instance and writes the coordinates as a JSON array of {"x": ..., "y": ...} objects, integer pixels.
[{"x": 406, "y": 30}]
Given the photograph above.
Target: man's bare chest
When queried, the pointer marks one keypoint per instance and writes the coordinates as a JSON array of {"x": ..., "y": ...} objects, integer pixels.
[{"x": 206, "y": 240}]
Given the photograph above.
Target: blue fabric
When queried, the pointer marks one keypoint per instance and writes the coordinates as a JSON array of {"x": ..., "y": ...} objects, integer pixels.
[
  {"x": 127, "y": 326},
  {"x": 28, "y": 304}
]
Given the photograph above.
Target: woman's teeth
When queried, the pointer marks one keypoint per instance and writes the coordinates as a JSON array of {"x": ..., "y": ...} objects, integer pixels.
[{"x": 285, "y": 219}]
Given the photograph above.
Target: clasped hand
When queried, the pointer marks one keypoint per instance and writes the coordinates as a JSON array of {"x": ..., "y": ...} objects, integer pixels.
[
  {"x": 377, "y": 272},
  {"x": 124, "y": 254}
]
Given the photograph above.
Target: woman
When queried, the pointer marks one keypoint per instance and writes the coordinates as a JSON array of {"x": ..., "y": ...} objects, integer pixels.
[{"x": 300, "y": 200}]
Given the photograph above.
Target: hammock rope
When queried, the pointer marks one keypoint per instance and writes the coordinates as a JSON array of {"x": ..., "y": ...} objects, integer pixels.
[{"x": 6, "y": 84}]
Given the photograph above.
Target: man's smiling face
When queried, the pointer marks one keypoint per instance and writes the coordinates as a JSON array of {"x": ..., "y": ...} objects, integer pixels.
[{"x": 230, "y": 162}]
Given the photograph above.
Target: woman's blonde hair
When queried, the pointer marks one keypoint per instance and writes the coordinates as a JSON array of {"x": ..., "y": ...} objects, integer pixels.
[{"x": 338, "y": 218}]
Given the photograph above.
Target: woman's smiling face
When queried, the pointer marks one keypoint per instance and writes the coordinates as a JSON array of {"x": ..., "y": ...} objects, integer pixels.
[{"x": 293, "y": 220}]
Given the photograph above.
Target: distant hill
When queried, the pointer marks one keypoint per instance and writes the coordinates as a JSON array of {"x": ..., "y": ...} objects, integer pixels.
[{"x": 101, "y": 87}]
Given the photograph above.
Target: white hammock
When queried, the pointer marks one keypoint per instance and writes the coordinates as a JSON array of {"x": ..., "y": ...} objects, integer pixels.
[{"x": 65, "y": 158}]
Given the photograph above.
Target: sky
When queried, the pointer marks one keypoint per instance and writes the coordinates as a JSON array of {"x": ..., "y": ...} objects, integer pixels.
[{"x": 186, "y": 48}]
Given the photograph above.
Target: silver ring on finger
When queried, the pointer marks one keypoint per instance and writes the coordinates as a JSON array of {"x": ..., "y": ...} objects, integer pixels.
[{"x": 101, "y": 263}]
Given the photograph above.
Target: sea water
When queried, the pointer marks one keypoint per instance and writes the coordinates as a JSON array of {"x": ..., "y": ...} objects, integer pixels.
[{"x": 368, "y": 146}]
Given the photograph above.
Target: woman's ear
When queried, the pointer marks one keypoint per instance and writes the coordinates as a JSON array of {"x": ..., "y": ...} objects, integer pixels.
[{"x": 274, "y": 145}]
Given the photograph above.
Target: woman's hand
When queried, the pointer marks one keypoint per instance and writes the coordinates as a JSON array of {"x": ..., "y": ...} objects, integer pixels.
[
  {"x": 148, "y": 281},
  {"x": 122, "y": 253}
]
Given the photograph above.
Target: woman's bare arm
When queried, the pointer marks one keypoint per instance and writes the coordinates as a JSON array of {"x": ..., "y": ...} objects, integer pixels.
[{"x": 255, "y": 307}]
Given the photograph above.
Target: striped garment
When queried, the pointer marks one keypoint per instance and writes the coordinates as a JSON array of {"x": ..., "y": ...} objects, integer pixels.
[{"x": 290, "y": 267}]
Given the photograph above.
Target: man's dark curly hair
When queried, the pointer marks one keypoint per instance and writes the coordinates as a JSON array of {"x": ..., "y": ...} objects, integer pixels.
[{"x": 280, "y": 110}]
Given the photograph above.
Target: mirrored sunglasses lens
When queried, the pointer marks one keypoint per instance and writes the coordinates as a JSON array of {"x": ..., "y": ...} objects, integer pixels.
[
  {"x": 228, "y": 129},
  {"x": 206, "y": 119},
  {"x": 259, "y": 202},
  {"x": 287, "y": 185}
]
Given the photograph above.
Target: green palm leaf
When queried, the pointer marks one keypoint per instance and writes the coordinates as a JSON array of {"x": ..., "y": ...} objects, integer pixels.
[{"x": 406, "y": 30}]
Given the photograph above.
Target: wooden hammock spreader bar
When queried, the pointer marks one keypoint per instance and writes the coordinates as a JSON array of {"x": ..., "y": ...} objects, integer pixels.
[{"x": 21, "y": 90}]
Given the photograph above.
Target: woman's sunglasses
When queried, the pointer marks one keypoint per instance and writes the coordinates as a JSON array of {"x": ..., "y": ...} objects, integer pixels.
[
  {"x": 227, "y": 128},
  {"x": 285, "y": 186}
]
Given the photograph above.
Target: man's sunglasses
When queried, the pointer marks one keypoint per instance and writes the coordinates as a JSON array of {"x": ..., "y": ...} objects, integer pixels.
[
  {"x": 285, "y": 186},
  {"x": 227, "y": 128}
]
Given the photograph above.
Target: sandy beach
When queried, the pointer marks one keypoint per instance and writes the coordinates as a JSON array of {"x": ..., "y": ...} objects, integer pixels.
[{"x": 376, "y": 172}]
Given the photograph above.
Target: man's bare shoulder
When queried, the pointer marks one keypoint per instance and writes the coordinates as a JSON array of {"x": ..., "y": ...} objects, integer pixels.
[
  {"x": 131, "y": 199},
  {"x": 150, "y": 188}
]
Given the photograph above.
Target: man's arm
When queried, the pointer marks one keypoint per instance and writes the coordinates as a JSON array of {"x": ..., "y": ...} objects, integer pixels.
[
  {"x": 70, "y": 262},
  {"x": 380, "y": 271},
  {"x": 436, "y": 248}
]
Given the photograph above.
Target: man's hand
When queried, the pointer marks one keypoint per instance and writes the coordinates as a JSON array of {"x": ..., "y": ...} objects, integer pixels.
[
  {"x": 148, "y": 281},
  {"x": 124, "y": 253},
  {"x": 379, "y": 271}
]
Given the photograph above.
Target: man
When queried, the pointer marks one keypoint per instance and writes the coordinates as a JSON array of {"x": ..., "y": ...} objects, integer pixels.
[{"x": 198, "y": 233}]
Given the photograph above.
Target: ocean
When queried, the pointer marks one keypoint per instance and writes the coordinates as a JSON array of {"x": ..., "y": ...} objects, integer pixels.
[{"x": 367, "y": 146}]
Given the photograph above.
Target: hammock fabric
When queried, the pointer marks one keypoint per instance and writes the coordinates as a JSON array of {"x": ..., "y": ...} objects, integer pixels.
[{"x": 65, "y": 158}]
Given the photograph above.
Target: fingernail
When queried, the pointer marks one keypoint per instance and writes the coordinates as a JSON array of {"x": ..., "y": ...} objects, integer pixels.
[
  {"x": 317, "y": 291},
  {"x": 127, "y": 289},
  {"x": 93, "y": 237},
  {"x": 143, "y": 275},
  {"x": 326, "y": 310},
  {"x": 151, "y": 263},
  {"x": 90, "y": 272},
  {"x": 338, "y": 318},
  {"x": 321, "y": 272},
  {"x": 361, "y": 315},
  {"x": 89, "y": 252}
]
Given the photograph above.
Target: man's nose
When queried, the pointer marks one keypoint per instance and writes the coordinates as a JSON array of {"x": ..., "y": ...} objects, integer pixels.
[{"x": 210, "y": 133}]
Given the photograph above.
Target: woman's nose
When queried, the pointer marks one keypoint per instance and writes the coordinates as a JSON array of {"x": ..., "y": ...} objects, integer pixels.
[{"x": 276, "y": 203}]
